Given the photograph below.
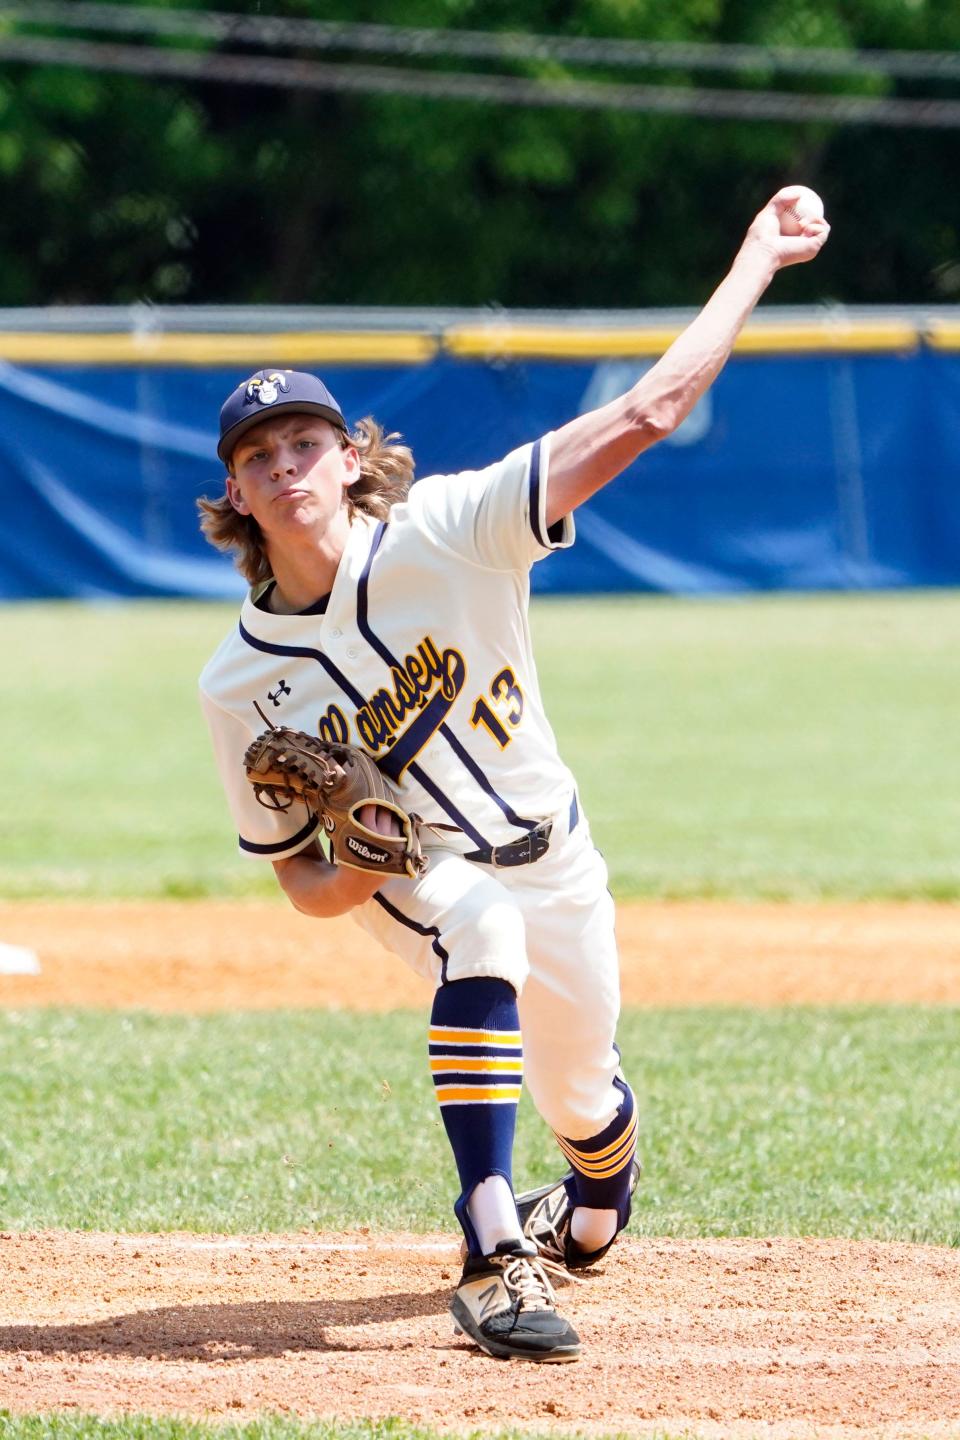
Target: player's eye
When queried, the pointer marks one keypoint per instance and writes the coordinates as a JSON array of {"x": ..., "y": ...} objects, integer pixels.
[{"x": 305, "y": 444}]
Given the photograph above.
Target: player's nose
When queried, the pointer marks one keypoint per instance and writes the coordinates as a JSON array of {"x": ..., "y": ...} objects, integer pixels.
[{"x": 284, "y": 464}]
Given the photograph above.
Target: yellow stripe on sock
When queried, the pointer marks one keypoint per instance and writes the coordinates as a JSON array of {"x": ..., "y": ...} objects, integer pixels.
[
  {"x": 612, "y": 1163},
  {"x": 477, "y": 1094},
  {"x": 602, "y": 1172},
  {"x": 447, "y": 1035},
  {"x": 611, "y": 1156},
  {"x": 475, "y": 1062},
  {"x": 591, "y": 1155}
]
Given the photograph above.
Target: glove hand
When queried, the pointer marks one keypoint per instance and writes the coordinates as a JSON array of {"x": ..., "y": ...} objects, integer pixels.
[
  {"x": 374, "y": 817},
  {"x": 343, "y": 787}
]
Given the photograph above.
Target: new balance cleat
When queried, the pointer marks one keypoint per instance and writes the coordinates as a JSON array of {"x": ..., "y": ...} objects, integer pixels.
[
  {"x": 545, "y": 1216},
  {"x": 506, "y": 1305}
]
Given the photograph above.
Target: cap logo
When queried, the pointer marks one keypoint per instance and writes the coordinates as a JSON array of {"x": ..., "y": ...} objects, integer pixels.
[{"x": 265, "y": 390}]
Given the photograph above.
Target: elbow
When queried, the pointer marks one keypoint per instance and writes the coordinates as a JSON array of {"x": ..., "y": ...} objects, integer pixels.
[
  {"x": 654, "y": 422},
  {"x": 299, "y": 905},
  {"x": 306, "y": 901},
  {"x": 291, "y": 882}
]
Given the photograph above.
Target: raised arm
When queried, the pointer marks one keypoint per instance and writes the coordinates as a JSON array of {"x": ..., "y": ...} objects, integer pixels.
[{"x": 593, "y": 449}]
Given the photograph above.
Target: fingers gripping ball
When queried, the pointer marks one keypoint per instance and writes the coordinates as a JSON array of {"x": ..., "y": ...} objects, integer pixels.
[
  {"x": 804, "y": 207},
  {"x": 337, "y": 783}
]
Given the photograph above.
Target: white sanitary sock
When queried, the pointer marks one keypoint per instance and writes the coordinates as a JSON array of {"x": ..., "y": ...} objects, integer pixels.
[
  {"x": 593, "y": 1228},
  {"x": 493, "y": 1213}
]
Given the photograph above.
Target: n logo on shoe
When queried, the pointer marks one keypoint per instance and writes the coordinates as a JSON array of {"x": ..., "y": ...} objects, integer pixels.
[
  {"x": 487, "y": 1299},
  {"x": 552, "y": 1216}
]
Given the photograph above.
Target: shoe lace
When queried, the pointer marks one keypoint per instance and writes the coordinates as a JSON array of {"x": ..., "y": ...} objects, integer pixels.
[{"x": 527, "y": 1279}]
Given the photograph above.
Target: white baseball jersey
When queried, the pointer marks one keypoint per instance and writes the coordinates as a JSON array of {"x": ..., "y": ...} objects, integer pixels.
[{"x": 422, "y": 656}]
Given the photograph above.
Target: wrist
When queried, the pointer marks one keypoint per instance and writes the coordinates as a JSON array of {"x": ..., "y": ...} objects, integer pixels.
[{"x": 758, "y": 260}]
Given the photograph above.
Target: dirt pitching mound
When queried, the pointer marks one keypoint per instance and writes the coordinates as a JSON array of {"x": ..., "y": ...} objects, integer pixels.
[{"x": 780, "y": 1338}]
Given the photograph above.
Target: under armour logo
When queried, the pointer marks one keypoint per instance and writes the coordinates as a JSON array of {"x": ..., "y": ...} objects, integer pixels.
[{"x": 275, "y": 695}]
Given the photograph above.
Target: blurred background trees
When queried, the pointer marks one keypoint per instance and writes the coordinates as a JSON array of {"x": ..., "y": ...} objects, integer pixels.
[{"x": 118, "y": 188}]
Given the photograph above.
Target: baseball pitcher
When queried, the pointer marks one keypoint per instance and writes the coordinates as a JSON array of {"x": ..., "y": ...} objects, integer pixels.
[{"x": 379, "y": 695}]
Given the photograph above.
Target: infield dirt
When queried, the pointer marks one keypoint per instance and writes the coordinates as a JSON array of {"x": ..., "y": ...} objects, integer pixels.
[
  {"x": 743, "y": 1338},
  {"x": 213, "y": 955},
  {"x": 773, "y": 1338}
]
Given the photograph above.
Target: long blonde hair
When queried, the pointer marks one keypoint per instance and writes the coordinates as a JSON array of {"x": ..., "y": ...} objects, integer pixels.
[{"x": 386, "y": 474}]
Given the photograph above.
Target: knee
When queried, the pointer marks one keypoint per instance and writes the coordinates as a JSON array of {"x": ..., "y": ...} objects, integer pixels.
[
  {"x": 490, "y": 942},
  {"x": 576, "y": 1100},
  {"x": 567, "y": 1117}
]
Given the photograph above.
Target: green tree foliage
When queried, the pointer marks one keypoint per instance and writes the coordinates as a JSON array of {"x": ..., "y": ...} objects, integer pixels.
[{"x": 117, "y": 189}]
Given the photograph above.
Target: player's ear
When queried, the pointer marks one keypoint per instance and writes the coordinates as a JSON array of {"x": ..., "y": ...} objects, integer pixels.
[
  {"x": 351, "y": 465},
  {"x": 235, "y": 496}
]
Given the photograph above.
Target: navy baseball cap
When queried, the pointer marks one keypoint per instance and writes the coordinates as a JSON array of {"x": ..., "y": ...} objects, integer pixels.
[{"x": 274, "y": 392}]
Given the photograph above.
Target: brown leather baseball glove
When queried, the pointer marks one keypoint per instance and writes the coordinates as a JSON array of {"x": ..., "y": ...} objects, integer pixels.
[{"x": 335, "y": 782}]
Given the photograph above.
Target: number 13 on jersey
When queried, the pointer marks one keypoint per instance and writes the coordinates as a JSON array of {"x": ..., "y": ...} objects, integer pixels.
[{"x": 508, "y": 698}]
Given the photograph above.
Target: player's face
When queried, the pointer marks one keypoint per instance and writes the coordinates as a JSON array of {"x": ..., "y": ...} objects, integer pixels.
[{"x": 290, "y": 473}]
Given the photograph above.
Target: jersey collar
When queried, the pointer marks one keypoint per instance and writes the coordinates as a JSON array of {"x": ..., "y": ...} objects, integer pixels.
[{"x": 265, "y": 625}]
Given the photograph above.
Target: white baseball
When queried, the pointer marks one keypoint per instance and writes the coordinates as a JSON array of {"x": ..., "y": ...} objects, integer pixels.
[{"x": 807, "y": 206}]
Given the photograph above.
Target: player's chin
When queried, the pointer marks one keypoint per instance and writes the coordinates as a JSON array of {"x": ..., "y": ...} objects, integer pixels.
[{"x": 295, "y": 512}]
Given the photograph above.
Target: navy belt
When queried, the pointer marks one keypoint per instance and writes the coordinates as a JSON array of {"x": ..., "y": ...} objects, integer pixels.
[
  {"x": 528, "y": 849},
  {"x": 524, "y": 851}
]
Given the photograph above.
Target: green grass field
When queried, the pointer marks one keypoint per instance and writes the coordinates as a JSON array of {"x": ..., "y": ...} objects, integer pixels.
[
  {"x": 788, "y": 747},
  {"x": 271, "y": 1427},
  {"x": 793, "y": 1122}
]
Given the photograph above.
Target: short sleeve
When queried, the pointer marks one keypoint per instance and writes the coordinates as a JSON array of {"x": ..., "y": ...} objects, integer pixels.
[
  {"x": 262, "y": 833},
  {"x": 495, "y": 517}
]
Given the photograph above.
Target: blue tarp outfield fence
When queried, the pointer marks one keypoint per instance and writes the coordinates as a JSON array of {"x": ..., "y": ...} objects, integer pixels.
[{"x": 816, "y": 471}]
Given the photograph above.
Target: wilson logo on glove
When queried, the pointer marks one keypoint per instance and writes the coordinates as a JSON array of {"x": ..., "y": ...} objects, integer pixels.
[{"x": 363, "y": 851}]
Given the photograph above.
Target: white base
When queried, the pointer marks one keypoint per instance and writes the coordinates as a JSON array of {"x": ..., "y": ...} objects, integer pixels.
[{"x": 18, "y": 960}]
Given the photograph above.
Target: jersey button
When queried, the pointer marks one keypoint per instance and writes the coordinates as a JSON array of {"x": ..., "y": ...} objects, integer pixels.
[
  {"x": 335, "y": 634},
  {"x": 353, "y": 652}
]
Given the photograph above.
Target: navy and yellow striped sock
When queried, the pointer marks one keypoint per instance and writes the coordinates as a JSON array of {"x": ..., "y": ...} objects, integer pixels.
[
  {"x": 603, "y": 1165},
  {"x": 476, "y": 1059}
]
